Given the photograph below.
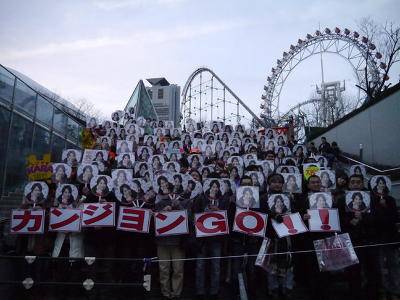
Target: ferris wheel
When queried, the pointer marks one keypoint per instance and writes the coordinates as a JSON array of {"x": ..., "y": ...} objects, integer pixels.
[{"x": 357, "y": 50}]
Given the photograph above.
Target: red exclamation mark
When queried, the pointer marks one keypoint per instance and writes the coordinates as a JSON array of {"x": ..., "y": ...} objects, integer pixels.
[
  {"x": 289, "y": 224},
  {"x": 324, "y": 215}
]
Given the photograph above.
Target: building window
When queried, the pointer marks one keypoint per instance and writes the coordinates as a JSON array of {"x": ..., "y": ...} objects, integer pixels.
[
  {"x": 60, "y": 121},
  {"x": 72, "y": 130},
  {"x": 4, "y": 125},
  {"x": 44, "y": 111},
  {"x": 41, "y": 142},
  {"x": 6, "y": 85},
  {"x": 19, "y": 148},
  {"x": 25, "y": 98},
  {"x": 160, "y": 94},
  {"x": 150, "y": 93},
  {"x": 58, "y": 145}
]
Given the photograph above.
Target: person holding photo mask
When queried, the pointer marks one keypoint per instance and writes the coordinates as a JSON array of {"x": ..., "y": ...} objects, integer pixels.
[
  {"x": 100, "y": 242},
  {"x": 132, "y": 129},
  {"x": 195, "y": 163},
  {"x": 205, "y": 172},
  {"x": 169, "y": 247},
  {"x": 213, "y": 200},
  {"x": 174, "y": 158},
  {"x": 162, "y": 148},
  {"x": 380, "y": 187},
  {"x": 122, "y": 134},
  {"x": 144, "y": 154},
  {"x": 178, "y": 187},
  {"x": 280, "y": 273},
  {"x": 34, "y": 244},
  {"x": 281, "y": 141},
  {"x": 143, "y": 168},
  {"x": 357, "y": 203},
  {"x": 317, "y": 282},
  {"x": 156, "y": 163},
  {"x": 241, "y": 244},
  {"x": 171, "y": 167},
  {"x": 385, "y": 213},
  {"x": 85, "y": 177},
  {"x": 361, "y": 227},
  {"x": 247, "y": 199},
  {"x": 100, "y": 162},
  {"x": 35, "y": 198},
  {"x": 71, "y": 159},
  {"x": 358, "y": 171},
  {"x": 261, "y": 143},
  {"x": 339, "y": 194},
  {"x": 234, "y": 174},
  {"x": 299, "y": 154},
  {"x": 279, "y": 206},
  {"x": 280, "y": 155},
  {"x": 60, "y": 174},
  {"x": 66, "y": 199},
  {"x": 159, "y": 133},
  {"x": 125, "y": 162},
  {"x": 67, "y": 245},
  {"x": 326, "y": 181},
  {"x": 87, "y": 174},
  {"x": 126, "y": 270},
  {"x": 121, "y": 179},
  {"x": 123, "y": 148},
  {"x": 291, "y": 185},
  {"x": 101, "y": 188},
  {"x": 320, "y": 202}
]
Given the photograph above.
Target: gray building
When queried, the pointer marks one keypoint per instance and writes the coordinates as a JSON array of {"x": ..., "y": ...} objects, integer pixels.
[{"x": 165, "y": 98}]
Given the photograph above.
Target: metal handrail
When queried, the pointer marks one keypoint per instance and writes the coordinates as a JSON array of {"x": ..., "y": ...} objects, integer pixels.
[
  {"x": 370, "y": 167},
  {"x": 4, "y": 220}
]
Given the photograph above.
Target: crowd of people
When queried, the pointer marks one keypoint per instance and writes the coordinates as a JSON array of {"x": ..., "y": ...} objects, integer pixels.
[{"x": 138, "y": 162}]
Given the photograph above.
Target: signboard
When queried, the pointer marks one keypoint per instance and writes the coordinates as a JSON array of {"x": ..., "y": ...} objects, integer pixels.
[
  {"x": 171, "y": 223},
  {"x": 250, "y": 222},
  {"x": 27, "y": 221},
  {"x": 98, "y": 215},
  {"x": 292, "y": 224},
  {"x": 65, "y": 220},
  {"x": 325, "y": 220},
  {"x": 134, "y": 219},
  {"x": 211, "y": 223}
]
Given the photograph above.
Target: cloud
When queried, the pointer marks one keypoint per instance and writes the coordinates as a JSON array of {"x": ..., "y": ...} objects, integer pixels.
[
  {"x": 119, "y": 4},
  {"x": 55, "y": 48},
  {"x": 142, "y": 37}
]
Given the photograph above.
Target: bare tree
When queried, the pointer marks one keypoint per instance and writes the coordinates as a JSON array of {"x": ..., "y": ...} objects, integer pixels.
[
  {"x": 387, "y": 39},
  {"x": 87, "y": 108}
]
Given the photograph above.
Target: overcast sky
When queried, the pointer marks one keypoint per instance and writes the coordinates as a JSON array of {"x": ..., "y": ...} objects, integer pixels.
[{"x": 99, "y": 49}]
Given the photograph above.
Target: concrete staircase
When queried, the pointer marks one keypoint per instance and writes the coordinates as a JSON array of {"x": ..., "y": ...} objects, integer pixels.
[{"x": 9, "y": 202}]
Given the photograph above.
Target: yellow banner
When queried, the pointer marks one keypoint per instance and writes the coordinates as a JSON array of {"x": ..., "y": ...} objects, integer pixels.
[{"x": 38, "y": 169}]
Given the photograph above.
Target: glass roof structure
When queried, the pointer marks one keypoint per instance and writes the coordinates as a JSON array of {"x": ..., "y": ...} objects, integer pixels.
[{"x": 141, "y": 101}]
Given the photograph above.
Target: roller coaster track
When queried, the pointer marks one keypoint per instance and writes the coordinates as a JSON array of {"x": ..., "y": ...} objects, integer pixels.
[{"x": 186, "y": 98}]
